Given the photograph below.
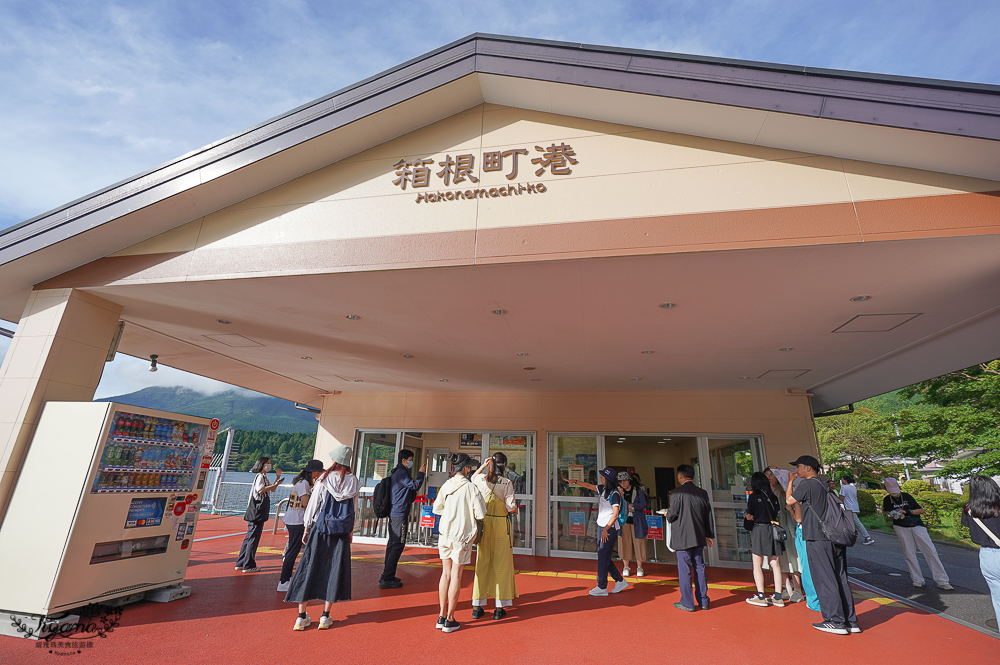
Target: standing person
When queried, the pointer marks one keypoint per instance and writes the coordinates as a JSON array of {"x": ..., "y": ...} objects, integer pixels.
[
  {"x": 302, "y": 486},
  {"x": 905, "y": 512},
  {"x": 982, "y": 517},
  {"x": 635, "y": 529},
  {"x": 495, "y": 552},
  {"x": 403, "y": 490},
  {"x": 812, "y": 600},
  {"x": 789, "y": 561},
  {"x": 690, "y": 516},
  {"x": 460, "y": 506},
  {"x": 325, "y": 570},
  {"x": 850, "y": 494},
  {"x": 609, "y": 505},
  {"x": 762, "y": 509},
  {"x": 258, "y": 510},
  {"x": 827, "y": 560}
]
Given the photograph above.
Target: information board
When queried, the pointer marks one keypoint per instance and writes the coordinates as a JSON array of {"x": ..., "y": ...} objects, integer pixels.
[
  {"x": 577, "y": 523},
  {"x": 427, "y": 517}
]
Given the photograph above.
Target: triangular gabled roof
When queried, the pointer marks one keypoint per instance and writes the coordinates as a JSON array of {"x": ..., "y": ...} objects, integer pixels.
[{"x": 935, "y": 125}]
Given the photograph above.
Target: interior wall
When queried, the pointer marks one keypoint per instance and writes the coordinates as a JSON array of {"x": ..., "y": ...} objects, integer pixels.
[
  {"x": 645, "y": 455},
  {"x": 783, "y": 421}
]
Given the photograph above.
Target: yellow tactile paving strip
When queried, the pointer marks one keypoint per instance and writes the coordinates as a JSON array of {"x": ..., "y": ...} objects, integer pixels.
[{"x": 858, "y": 595}]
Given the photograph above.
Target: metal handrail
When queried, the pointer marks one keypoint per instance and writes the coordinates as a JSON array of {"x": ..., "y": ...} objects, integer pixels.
[{"x": 279, "y": 514}]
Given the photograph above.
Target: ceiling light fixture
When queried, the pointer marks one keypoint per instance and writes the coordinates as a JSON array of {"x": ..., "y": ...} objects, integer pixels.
[
  {"x": 646, "y": 352},
  {"x": 635, "y": 378},
  {"x": 359, "y": 380},
  {"x": 224, "y": 322},
  {"x": 443, "y": 380},
  {"x": 522, "y": 354},
  {"x": 499, "y": 312},
  {"x": 353, "y": 317},
  {"x": 528, "y": 368},
  {"x": 787, "y": 348},
  {"x": 152, "y": 365},
  {"x": 668, "y": 305},
  {"x": 860, "y": 298},
  {"x": 306, "y": 357},
  {"x": 744, "y": 378},
  {"x": 536, "y": 379},
  {"x": 407, "y": 355}
]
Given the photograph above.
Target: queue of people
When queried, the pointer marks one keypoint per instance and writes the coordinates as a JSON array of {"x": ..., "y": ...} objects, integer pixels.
[{"x": 792, "y": 534}]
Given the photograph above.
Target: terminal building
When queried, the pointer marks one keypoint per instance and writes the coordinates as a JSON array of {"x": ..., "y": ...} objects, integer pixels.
[{"x": 581, "y": 256}]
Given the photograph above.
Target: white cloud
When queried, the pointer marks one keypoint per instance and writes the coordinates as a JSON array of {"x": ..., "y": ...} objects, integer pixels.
[{"x": 127, "y": 374}]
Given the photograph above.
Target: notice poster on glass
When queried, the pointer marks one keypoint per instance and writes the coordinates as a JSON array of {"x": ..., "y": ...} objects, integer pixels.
[
  {"x": 576, "y": 472},
  {"x": 381, "y": 469},
  {"x": 516, "y": 441},
  {"x": 577, "y": 523},
  {"x": 471, "y": 440}
]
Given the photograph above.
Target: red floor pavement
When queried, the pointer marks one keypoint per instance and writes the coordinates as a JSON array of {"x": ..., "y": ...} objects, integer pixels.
[{"x": 232, "y": 617}]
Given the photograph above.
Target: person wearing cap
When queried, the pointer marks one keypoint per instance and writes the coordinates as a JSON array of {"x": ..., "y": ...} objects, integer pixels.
[
  {"x": 634, "y": 530},
  {"x": 905, "y": 512},
  {"x": 827, "y": 560},
  {"x": 302, "y": 485},
  {"x": 609, "y": 505},
  {"x": 403, "y": 489},
  {"x": 460, "y": 506},
  {"x": 325, "y": 570}
]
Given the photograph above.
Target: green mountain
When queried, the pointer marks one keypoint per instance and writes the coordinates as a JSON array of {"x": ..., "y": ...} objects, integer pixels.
[{"x": 239, "y": 409}]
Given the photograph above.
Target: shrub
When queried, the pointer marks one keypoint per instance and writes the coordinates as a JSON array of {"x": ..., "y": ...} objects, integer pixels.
[
  {"x": 914, "y": 487},
  {"x": 866, "y": 502},
  {"x": 940, "y": 508},
  {"x": 878, "y": 496}
]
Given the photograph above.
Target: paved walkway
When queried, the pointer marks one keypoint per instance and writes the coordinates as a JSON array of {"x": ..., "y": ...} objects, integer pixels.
[{"x": 232, "y": 617}]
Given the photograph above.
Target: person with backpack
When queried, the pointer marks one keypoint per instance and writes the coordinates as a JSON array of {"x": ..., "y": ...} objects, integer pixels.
[
  {"x": 325, "y": 570},
  {"x": 905, "y": 512},
  {"x": 295, "y": 512},
  {"x": 609, "y": 505},
  {"x": 635, "y": 529},
  {"x": 392, "y": 498},
  {"x": 827, "y": 531}
]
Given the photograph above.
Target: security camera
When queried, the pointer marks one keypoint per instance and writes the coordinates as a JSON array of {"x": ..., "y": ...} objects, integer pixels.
[{"x": 152, "y": 365}]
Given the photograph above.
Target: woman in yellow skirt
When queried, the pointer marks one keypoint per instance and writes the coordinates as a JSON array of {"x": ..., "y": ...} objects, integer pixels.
[{"x": 495, "y": 552}]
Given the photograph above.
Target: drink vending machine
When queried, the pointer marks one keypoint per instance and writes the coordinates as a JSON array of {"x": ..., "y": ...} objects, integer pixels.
[{"x": 105, "y": 506}]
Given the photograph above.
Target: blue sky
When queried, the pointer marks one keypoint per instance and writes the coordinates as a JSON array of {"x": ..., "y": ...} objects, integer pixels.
[{"x": 94, "y": 92}]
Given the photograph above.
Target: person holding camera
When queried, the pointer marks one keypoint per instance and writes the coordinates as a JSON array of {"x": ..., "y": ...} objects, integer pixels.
[
  {"x": 460, "y": 506},
  {"x": 905, "y": 512},
  {"x": 495, "y": 551}
]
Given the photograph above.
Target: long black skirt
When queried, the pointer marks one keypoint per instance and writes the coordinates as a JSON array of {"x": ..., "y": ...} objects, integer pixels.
[{"x": 324, "y": 572}]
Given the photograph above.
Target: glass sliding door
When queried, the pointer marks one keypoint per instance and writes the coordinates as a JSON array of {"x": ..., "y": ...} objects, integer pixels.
[
  {"x": 573, "y": 524},
  {"x": 376, "y": 456},
  {"x": 519, "y": 448},
  {"x": 729, "y": 464}
]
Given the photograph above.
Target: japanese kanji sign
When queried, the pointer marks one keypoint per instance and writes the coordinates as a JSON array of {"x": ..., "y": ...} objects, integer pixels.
[{"x": 558, "y": 160}]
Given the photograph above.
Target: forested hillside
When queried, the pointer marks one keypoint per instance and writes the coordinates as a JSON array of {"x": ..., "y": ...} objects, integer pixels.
[{"x": 288, "y": 451}]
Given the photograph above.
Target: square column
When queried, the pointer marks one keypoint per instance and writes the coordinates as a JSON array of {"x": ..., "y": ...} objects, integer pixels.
[{"x": 57, "y": 354}]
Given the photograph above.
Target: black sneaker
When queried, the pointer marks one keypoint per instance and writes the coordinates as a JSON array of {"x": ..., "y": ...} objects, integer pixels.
[
  {"x": 853, "y": 627},
  {"x": 499, "y": 613},
  {"x": 440, "y": 623},
  {"x": 831, "y": 627},
  {"x": 450, "y": 626},
  {"x": 389, "y": 584},
  {"x": 477, "y": 612}
]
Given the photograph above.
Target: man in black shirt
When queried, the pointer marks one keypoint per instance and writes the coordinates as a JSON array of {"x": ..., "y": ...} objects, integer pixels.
[{"x": 827, "y": 561}]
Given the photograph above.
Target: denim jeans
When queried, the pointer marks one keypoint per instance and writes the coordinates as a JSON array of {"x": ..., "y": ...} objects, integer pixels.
[{"x": 989, "y": 564}]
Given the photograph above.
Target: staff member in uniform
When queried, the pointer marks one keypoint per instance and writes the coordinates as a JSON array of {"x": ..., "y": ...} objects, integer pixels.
[{"x": 609, "y": 504}]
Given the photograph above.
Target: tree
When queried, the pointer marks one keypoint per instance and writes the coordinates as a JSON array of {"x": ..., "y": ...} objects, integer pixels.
[
  {"x": 968, "y": 420},
  {"x": 855, "y": 441}
]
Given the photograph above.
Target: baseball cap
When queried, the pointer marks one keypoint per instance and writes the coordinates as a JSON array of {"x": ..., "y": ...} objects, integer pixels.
[{"x": 808, "y": 460}]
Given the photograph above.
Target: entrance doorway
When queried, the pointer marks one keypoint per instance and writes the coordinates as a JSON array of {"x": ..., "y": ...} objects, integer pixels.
[
  {"x": 375, "y": 448},
  {"x": 723, "y": 465}
]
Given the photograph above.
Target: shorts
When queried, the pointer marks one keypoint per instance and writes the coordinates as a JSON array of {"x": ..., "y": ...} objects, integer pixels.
[{"x": 455, "y": 550}]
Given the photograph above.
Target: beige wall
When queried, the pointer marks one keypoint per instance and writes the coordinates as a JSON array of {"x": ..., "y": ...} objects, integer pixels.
[
  {"x": 784, "y": 421},
  {"x": 57, "y": 354}
]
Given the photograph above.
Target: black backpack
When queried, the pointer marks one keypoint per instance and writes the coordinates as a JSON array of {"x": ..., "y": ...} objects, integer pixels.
[
  {"x": 838, "y": 526},
  {"x": 382, "y": 498}
]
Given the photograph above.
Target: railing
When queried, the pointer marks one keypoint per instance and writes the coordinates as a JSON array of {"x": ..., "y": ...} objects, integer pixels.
[{"x": 232, "y": 498}]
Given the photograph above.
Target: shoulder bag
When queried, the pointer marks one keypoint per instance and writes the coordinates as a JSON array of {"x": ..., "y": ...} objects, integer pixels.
[
  {"x": 258, "y": 510},
  {"x": 778, "y": 533}
]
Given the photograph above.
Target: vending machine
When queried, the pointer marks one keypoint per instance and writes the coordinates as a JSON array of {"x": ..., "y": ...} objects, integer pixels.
[{"x": 105, "y": 506}]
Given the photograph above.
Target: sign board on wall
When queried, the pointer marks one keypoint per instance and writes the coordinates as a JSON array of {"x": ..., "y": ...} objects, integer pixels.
[{"x": 381, "y": 469}]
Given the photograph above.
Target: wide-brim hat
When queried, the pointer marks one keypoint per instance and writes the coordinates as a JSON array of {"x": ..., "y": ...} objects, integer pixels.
[
  {"x": 341, "y": 454},
  {"x": 623, "y": 475},
  {"x": 313, "y": 465}
]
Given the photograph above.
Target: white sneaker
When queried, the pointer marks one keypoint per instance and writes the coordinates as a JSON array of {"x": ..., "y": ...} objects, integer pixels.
[
  {"x": 946, "y": 587},
  {"x": 918, "y": 584},
  {"x": 625, "y": 571},
  {"x": 283, "y": 586},
  {"x": 640, "y": 572},
  {"x": 620, "y": 586},
  {"x": 325, "y": 622},
  {"x": 302, "y": 624},
  {"x": 598, "y": 591}
]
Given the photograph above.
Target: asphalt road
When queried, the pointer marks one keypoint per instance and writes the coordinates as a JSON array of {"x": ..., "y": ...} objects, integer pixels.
[{"x": 885, "y": 568}]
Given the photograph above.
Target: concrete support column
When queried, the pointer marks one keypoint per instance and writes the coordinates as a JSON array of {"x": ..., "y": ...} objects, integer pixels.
[{"x": 57, "y": 354}]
